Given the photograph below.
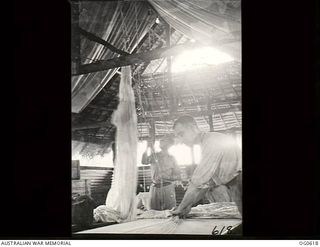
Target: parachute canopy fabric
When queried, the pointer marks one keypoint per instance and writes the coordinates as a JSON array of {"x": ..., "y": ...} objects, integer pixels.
[
  {"x": 216, "y": 23},
  {"x": 122, "y": 194},
  {"x": 113, "y": 22}
]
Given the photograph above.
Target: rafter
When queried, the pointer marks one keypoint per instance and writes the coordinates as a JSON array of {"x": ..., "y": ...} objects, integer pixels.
[
  {"x": 90, "y": 125},
  {"x": 163, "y": 117},
  {"x": 75, "y": 50},
  {"x": 98, "y": 40},
  {"x": 134, "y": 58}
]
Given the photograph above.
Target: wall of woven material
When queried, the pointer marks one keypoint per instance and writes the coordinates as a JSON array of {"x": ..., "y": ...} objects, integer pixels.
[{"x": 101, "y": 177}]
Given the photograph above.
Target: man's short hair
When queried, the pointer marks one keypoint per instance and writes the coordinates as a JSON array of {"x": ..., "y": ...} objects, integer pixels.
[{"x": 185, "y": 120}]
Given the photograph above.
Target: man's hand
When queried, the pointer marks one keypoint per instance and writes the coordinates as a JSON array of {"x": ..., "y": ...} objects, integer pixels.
[{"x": 182, "y": 213}]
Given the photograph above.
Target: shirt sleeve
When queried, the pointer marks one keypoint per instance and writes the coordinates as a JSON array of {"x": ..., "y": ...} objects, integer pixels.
[
  {"x": 204, "y": 175},
  {"x": 221, "y": 162}
]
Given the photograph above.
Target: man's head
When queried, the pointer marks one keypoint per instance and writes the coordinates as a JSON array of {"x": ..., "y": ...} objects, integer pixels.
[
  {"x": 186, "y": 130},
  {"x": 166, "y": 142}
]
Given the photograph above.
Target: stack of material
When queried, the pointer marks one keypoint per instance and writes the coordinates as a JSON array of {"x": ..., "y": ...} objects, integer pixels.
[
  {"x": 202, "y": 220},
  {"x": 154, "y": 214},
  {"x": 171, "y": 225},
  {"x": 167, "y": 226},
  {"x": 220, "y": 210}
]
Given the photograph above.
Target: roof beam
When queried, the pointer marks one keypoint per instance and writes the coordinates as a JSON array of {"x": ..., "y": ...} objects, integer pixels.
[
  {"x": 210, "y": 114},
  {"x": 90, "y": 125},
  {"x": 134, "y": 58},
  {"x": 163, "y": 117},
  {"x": 169, "y": 72},
  {"x": 75, "y": 38},
  {"x": 100, "y": 41},
  {"x": 101, "y": 108}
]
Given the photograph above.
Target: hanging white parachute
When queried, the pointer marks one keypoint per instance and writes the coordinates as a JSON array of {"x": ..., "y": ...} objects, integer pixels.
[{"x": 121, "y": 196}]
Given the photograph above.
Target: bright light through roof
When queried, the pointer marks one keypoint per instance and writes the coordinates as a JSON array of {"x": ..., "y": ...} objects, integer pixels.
[
  {"x": 182, "y": 154},
  {"x": 157, "y": 146},
  {"x": 198, "y": 58}
]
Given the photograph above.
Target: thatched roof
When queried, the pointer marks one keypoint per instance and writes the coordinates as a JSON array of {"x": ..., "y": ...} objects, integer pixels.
[{"x": 212, "y": 90}]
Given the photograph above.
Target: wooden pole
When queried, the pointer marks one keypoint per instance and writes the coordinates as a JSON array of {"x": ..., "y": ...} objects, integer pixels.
[
  {"x": 75, "y": 38},
  {"x": 169, "y": 70},
  {"x": 152, "y": 131},
  {"x": 98, "y": 40},
  {"x": 210, "y": 112},
  {"x": 134, "y": 58},
  {"x": 90, "y": 126},
  {"x": 114, "y": 151}
]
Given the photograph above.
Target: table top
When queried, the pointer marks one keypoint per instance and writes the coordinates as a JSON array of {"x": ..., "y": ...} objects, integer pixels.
[{"x": 166, "y": 226}]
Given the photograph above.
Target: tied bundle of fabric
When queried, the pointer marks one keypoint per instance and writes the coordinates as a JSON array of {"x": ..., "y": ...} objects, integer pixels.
[
  {"x": 106, "y": 214},
  {"x": 155, "y": 214},
  {"x": 121, "y": 196},
  {"x": 166, "y": 226},
  {"x": 216, "y": 210}
]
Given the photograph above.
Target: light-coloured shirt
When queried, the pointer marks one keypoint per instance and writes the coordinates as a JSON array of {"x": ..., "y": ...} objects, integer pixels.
[{"x": 221, "y": 160}]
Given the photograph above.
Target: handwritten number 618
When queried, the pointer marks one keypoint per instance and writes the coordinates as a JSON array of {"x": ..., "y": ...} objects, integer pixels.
[{"x": 217, "y": 232}]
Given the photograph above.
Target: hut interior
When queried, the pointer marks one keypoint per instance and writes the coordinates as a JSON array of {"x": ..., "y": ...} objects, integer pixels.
[{"x": 185, "y": 58}]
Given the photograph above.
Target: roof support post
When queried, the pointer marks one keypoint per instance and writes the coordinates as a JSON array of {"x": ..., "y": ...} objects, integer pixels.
[
  {"x": 75, "y": 38},
  {"x": 169, "y": 71},
  {"x": 134, "y": 58},
  {"x": 210, "y": 112}
]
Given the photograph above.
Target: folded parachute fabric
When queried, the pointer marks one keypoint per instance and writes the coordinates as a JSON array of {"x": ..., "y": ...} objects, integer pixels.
[
  {"x": 158, "y": 226},
  {"x": 155, "y": 214},
  {"x": 106, "y": 214},
  {"x": 217, "y": 210}
]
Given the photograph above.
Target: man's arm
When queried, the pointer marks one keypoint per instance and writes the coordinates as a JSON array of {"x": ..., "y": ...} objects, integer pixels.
[
  {"x": 191, "y": 197},
  {"x": 200, "y": 177}
]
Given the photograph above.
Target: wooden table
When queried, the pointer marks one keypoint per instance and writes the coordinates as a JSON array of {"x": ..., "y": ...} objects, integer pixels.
[{"x": 186, "y": 227}]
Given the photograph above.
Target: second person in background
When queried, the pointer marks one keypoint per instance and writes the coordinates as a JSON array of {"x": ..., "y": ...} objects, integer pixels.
[{"x": 164, "y": 173}]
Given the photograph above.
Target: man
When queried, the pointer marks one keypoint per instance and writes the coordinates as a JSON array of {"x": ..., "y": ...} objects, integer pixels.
[
  {"x": 164, "y": 172},
  {"x": 219, "y": 171}
]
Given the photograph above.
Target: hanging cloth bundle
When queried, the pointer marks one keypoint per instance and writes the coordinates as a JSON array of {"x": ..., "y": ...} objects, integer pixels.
[{"x": 121, "y": 196}]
